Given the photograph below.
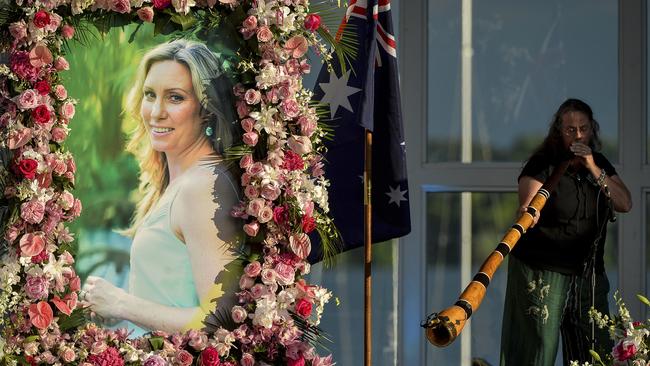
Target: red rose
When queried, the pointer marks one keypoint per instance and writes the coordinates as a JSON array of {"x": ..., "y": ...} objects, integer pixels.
[
  {"x": 27, "y": 168},
  {"x": 41, "y": 114},
  {"x": 308, "y": 224},
  {"x": 209, "y": 357},
  {"x": 312, "y": 22},
  {"x": 161, "y": 4},
  {"x": 41, "y": 19},
  {"x": 299, "y": 362},
  {"x": 43, "y": 87},
  {"x": 303, "y": 308}
]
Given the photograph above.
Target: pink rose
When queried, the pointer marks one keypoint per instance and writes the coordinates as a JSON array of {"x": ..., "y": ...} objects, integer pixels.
[
  {"x": 239, "y": 89},
  {"x": 32, "y": 211},
  {"x": 145, "y": 14},
  {"x": 161, "y": 4},
  {"x": 198, "y": 341},
  {"x": 252, "y": 228},
  {"x": 250, "y": 138},
  {"x": 247, "y": 360},
  {"x": 307, "y": 126},
  {"x": 290, "y": 108},
  {"x": 120, "y": 6},
  {"x": 18, "y": 138},
  {"x": 300, "y": 245},
  {"x": 250, "y": 22},
  {"x": 253, "y": 269},
  {"x": 67, "y": 354},
  {"x": 248, "y": 124},
  {"x": 299, "y": 144},
  {"x": 18, "y": 30},
  {"x": 70, "y": 165},
  {"x": 258, "y": 290},
  {"x": 255, "y": 206},
  {"x": 238, "y": 314},
  {"x": 256, "y": 169},
  {"x": 308, "y": 224},
  {"x": 293, "y": 161},
  {"x": 273, "y": 95},
  {"x": 61, "y": 64},
  {"x": 183, "y": 358},
  {"x": 252, "y": 96},
  {"x": 265, "y": 215},
  {"x": 246, "y": 282},
  {"x": 36, "y": 287},
  {"x": 59, "y": 134},
  {"x": 246, "y": 177},
  {"x": 270, "y": 192},
  {"x": 40, "y": 55},
  {"x": 76, "y": 208},
  {"x": 40, "y": 315},
  {"x": 312, "y": 22},
  {"x": 264, "y": 34},
  {"x": 60, "y": 92},
  {"x": 67, "y": 110},
  {"x": 268, "y": 276},
  {"x": 624, "y": 350},
  {"x": 155, "y": 360},
  {"x": 66, "y": 200},
  {"x": 246, "y": 161},
  {"x": 251, "y": 191},
  {"x": 67, "y": 31},
  {"x": 242, "y": 109},
  {"x": 285, "y": 274},
  {"x": 296, "y": 46}
]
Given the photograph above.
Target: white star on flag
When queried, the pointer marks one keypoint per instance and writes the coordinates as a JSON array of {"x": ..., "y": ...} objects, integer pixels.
[
  {"x": 396, "y": 195},
  {"x": 337, "y": 92}
]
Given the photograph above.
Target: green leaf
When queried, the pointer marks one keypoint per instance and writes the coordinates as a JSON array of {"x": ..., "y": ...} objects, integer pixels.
[
  {"x": 156, "y": 343},
  {"x": 643, "y": 299},
  {"x": 31, "y": 339},
  {"x": 76, "y": 319},
  {"x": 186, "y": 21}
]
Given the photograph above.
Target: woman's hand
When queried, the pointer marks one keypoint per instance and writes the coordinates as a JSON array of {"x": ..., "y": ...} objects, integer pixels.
[{"x": 104, "y": 298}]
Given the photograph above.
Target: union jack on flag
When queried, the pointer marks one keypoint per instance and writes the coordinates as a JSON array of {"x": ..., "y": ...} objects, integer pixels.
[{"x": 366, "y": 96}]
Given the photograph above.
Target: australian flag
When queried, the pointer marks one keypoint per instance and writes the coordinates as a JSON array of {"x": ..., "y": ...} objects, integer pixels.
[{"x": 366, "y": 96}]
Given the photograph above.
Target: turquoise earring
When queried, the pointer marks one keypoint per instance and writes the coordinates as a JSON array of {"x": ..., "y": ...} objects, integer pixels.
[{"x": 209, "y": 131}]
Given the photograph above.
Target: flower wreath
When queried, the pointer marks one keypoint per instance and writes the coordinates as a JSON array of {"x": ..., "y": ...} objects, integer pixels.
[{"x": 276, "y": 322}]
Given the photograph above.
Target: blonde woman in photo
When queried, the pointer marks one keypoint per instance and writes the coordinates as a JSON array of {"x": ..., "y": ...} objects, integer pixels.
[{"x": 183, "y": 261}]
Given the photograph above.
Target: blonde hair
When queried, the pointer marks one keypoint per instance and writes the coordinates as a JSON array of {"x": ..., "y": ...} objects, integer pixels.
[{"x": 214, "y": 91}]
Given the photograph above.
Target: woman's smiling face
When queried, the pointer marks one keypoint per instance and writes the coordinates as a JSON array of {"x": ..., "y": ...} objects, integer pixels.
[{"x": 170, "y": 109}]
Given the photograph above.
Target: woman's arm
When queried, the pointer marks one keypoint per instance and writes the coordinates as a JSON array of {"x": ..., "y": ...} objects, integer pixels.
[
  {"x": 528, "y": 187},
  {"x": 112, "y": 302},
  {"x": 200, "y": 215}
]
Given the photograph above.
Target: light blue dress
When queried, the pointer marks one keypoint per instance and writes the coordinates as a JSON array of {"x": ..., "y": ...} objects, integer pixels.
[{"x": 160, "y": 263}]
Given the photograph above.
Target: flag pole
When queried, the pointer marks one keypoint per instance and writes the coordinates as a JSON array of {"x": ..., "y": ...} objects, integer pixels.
[{"x": 367, "y": 225}]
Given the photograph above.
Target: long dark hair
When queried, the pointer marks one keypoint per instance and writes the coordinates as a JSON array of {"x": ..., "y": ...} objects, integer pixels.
[{"x": 553, "y": 147}]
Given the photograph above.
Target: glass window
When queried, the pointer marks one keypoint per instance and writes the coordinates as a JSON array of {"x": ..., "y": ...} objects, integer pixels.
[
  {"x": 525, "y": 58},
  {"x": 345, "y": 323},
  {"x": 491, "y": 216}
]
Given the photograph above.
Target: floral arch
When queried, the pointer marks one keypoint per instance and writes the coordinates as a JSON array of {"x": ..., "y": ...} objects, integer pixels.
[{"x": 42, "y": 320}]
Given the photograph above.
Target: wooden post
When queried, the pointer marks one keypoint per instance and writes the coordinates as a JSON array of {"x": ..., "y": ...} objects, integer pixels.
[{"x": 367, "y": 223}]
